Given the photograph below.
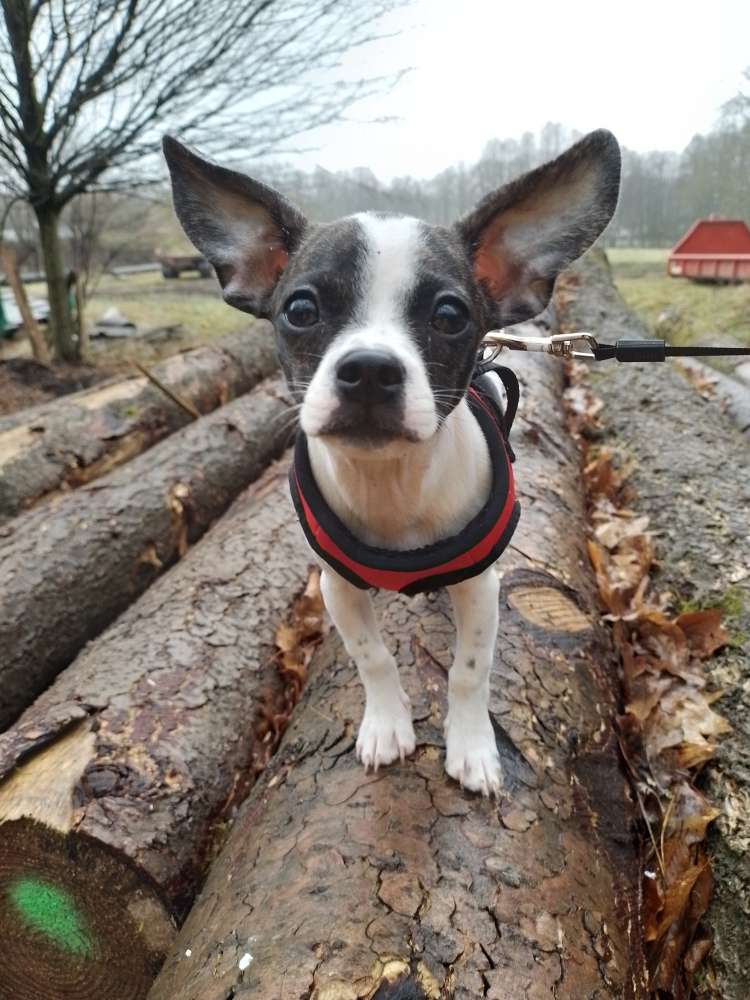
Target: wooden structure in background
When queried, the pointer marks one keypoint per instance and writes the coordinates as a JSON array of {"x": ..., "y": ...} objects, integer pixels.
[{"x": 39, "y": 346}]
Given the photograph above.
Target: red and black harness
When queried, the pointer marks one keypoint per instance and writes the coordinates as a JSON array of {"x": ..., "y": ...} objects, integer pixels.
[{"x": 446, "y": 562}]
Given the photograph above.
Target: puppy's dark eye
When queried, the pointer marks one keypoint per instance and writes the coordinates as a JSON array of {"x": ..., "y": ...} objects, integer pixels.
[
  {"x": 450, "y": 316},
  {"x": 302, "y": 310}
]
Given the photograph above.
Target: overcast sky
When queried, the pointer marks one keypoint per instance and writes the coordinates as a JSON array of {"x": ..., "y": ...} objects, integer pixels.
[{"x": 653, "y": 71}]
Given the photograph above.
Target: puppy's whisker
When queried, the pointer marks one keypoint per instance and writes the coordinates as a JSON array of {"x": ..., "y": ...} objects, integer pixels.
[{"x": 291, "y": 416}]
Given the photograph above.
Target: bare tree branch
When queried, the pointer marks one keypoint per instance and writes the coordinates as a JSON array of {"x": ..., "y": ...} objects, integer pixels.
[{"x": 87, "y": 87}]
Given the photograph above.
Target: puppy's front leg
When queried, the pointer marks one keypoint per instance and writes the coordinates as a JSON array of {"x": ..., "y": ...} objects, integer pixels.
[
  {"x": 386, "y": 732},
  {"x": 471, "y": 750}
]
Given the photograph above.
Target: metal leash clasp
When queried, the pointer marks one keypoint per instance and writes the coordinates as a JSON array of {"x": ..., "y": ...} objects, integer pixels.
[{"x": 561, "y": 345}]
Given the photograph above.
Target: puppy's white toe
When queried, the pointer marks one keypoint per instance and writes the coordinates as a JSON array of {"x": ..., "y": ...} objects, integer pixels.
[
  {"x": 386, "y": 734},
  {"x": 472, "y": 757}
]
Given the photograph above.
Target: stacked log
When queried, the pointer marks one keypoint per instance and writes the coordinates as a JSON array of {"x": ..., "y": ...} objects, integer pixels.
[
  {"x": 71, "y": 441},
  {"x": 69, "y": 567},
  {"x": 690, "y": 476},
  {"x": 335, "y": 883},
  {"x": 118, "y": 776}
]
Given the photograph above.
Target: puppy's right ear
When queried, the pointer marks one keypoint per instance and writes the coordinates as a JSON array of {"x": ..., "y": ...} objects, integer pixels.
[{"x": 245, "y": 229}]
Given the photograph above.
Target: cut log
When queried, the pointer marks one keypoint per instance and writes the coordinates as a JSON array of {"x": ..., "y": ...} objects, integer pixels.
[
  {"x": 116, "y": 778},
  {"x": 73, "y": 440},
  {"x": 339, "y": 884},
  {"x": 733, "y": 394},
  {"x": 69, "y": 567},
  {"x": 691, "y": 475}
]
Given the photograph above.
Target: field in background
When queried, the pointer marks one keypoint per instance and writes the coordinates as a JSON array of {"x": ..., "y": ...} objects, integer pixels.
[
  {"x": 677, "y": 309},
  {"x": 150, "y": 301}
]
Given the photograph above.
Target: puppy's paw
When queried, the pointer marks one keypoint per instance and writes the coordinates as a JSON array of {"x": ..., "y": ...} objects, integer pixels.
[
  {"x": 471, "y": 755},
  {"x": 386, "y": 733}
]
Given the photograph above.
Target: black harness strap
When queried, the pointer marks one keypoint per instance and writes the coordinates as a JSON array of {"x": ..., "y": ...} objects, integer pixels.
[
  {"x": 487, "y": 388},
  {"x": 442, "y": 563}
]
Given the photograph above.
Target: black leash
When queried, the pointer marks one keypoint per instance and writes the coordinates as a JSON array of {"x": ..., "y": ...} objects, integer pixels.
[
  {"x": 585, "y": 346},
  {"x": 659, "y": 350}
]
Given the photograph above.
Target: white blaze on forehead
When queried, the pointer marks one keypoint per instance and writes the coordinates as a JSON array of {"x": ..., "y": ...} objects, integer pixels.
[
  {"x": 388, "y": 275},
  {"x": 390, "y": 271}
]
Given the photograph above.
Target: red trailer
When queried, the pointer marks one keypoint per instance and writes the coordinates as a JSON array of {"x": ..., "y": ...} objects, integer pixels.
[{"x": 713, "y": 250}]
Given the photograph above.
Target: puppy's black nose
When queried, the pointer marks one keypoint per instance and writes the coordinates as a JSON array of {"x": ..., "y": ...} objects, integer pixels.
[{"x": 369, "y": 376}]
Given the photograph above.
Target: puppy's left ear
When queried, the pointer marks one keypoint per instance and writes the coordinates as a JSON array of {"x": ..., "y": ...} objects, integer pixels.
[
  {"x": 245, "y": 229},
  {"x": 521, "y": 236}
]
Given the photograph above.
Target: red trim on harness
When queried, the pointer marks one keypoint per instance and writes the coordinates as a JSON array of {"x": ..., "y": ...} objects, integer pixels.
[{"x": 399, "y": 579}]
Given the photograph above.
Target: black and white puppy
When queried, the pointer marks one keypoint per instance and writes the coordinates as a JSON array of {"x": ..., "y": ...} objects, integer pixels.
[{"x": 378, "y": 320}]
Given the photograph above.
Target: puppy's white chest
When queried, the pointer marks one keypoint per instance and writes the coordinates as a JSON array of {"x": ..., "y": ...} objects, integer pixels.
[{"x": 428, "y": 492}]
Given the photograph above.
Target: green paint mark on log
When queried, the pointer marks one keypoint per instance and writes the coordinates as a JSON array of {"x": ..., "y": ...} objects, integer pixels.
[{"x": 53, "y": 912}]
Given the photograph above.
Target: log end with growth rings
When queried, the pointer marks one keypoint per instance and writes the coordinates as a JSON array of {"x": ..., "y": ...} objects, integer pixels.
[
  {"x": 77, "y": 919},
  {"x": 76, "y": 922}
]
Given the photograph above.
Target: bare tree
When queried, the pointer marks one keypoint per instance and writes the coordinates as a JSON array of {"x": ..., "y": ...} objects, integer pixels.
[
  {"x": 101, "y": 228},
  {"x": 88, "y": 86}
]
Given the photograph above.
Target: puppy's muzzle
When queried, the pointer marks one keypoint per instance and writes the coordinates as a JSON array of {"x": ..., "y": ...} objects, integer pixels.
[{"x": 370, "y": 378}]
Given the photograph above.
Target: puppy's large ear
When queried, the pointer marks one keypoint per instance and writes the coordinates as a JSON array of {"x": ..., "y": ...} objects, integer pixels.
[
  {"x": 245, "y": 229},
  {"x": 521, "y": 236}
]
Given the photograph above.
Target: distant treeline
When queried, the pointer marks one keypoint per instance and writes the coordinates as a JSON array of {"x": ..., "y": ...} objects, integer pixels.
[{"x": 662, "y": 193}]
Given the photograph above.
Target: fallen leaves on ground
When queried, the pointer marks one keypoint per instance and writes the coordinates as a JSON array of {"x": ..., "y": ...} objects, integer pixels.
[
  {"x": 669, "y": 728},
  {"x": 699, "y": 379},
  {"x": 296, "y": 640}
]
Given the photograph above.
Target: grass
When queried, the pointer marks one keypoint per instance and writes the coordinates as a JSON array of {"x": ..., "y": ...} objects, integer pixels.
[
  {"x": 732, "y": 606},
  {"x": 150, "y": 301},
  {"x": 678, "y": 309},
  {"x": 731, "y": 603}
]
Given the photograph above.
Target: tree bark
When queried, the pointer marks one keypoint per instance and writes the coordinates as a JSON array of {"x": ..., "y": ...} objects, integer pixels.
[
  {"x": 69, "y": 568},
  {"x": 73, "y": 440},
  {"x": 62, "y": 332},
  {"x": 689, "y": 473},
  {"x": 118, "y": 777},
  {"x": 339, "y": 884},
  {"x": 733, "y": 394}
]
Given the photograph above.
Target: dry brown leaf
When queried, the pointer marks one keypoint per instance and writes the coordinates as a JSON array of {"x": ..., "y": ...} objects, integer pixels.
[
  {"x": 645, "y": 695},
  {"x": 621, "y": 575},
  {"x": 286, "y": 637},
  {"x": 705, "y": 384},
  {"x": 612, "y": 530},
  {"x": 666, "y": 648},
  {"x": 600, "y": 476},
  {"x": 704, "y": 631},
  {"x": 676, "y": 898},
  {"x": 674, "y": 972},
  {"x": 697, "y": 953},
  {"x": 669, "y": 728},
  {"x": 653, "y": 905},
  {"x": 631, "y": 561},
  {"x": 296, "y": 640},
  {"x": 691, "y": 814}
]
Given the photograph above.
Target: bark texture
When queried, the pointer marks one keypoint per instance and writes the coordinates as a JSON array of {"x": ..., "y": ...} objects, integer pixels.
[
  {"x": 336, "y": 884},
  {"x": 733, "y": 394},
  {"x": 68, "y": 568},
  {"x": 690, "y": 474},
  {"x": 61, "y": 326},
  {"x": 116, "y": 778},
  {"x": 61, "y": 445}
]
